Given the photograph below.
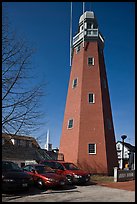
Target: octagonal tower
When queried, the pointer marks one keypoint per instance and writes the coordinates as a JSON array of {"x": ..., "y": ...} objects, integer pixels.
[{"x": 88, "y": 137}]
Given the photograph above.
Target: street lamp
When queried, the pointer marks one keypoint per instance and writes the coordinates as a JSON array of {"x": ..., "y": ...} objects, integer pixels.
[{"x": 123, "y": 138}]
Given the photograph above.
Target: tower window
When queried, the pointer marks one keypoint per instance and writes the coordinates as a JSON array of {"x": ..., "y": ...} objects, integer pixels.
[
  {"x": 70, "y": 123},
  {"x": 90, "y": 61},
  {"x": 89, "y": 26},
  {"x": 92, "y": 148},
  {"x": 91, "y": 98},
  {"x": 78, "y": 49},
  {"x": 74, "y": 83}
]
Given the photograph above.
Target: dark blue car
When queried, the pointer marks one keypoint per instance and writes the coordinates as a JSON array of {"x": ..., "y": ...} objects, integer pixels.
[{"x": 13, "y": 177}]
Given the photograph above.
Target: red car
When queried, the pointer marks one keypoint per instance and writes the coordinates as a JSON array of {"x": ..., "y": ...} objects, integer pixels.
[
  {"x": 70, "y": 170},
  {"x": 44, "y": 177}
]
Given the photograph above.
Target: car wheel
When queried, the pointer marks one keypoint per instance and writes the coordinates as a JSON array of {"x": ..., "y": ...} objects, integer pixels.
[
  {"x": 40, "y": 184},
  {"x": 69, "y": 179}
]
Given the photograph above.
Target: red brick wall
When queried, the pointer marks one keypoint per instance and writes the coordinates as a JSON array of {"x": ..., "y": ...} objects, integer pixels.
[
  {"x": 70, "y": 138},
  {"x": 89, "y": 119}
]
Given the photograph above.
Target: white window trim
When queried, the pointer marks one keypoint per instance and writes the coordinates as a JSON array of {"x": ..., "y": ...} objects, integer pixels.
[
  {"x": 93, "y": 98},
  {"x": 73, "y": 83},
  {"x": 93, "y": 61},
  {"x": 68, "y": 124},
  {"x": 95, "y": 149}
]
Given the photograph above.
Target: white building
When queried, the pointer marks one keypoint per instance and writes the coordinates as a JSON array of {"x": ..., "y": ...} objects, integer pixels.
[{"x": 128, "y": 155}]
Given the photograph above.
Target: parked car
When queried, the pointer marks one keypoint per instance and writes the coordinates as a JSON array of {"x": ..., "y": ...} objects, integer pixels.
[
  {"x": 70, "y": 170},
  {"x": 44, "y": 177},
  {"x": 13, "y": 177}
]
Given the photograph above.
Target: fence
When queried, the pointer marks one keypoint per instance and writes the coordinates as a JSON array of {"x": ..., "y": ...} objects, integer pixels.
[{"x": 123, "y": 175}]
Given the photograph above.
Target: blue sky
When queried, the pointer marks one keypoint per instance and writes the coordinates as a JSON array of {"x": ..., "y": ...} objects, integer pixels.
[{"x": 46, "y": 26}]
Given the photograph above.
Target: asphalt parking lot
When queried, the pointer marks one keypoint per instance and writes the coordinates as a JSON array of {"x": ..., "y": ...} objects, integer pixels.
[{"x": 88, "y": 193}]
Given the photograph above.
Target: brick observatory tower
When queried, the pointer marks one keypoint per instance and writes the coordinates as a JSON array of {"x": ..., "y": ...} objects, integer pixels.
[{"x": 88, "y": 137}]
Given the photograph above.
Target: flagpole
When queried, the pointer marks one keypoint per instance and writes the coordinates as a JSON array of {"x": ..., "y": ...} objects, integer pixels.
[
  {"x": 70, "y": 32},
  {"x": 83, "y": 22}
]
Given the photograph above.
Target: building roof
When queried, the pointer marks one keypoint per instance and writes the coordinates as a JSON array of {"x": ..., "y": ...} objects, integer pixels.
[
  {"x": 87, "y": 14},
  {"x": 23, "y": 153},
  {"x": 129, "y": 146},
  {"x": 20, "y": 137},
  {"x": 15, "y": 152}
]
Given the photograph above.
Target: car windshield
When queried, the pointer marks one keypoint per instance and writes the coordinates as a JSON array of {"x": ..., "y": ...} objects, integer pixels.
[
  {"x": 70, "y": 166},
  {"x": 10, "y": 166},
  {"x": 44, "y": 169}
]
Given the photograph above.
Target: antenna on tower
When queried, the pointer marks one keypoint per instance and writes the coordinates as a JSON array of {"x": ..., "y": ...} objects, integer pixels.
[
  {"x": 83, "y": 22},
  {"x": 70, "y": 32}
]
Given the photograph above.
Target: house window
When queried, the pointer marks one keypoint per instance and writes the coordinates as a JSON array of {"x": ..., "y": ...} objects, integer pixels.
[
  {"x": 18, "y": 142},
  {"x": 70, "y": 124},
  {"x": 91, "y": 98},
  {"x": 119, "y": 154},
  {"x": 92, "y": 148},
  {"x": 90, "y": 61},
  {"x": 22, "y": 143},
  {"x": 89, "y": 26},
  {"x": 28, "y": 143},
  {"x": 118, "y": 146},
  {"x": 77, "y": 49},
  {"x": 126, "y": 155},
  {"x": 75, "y": 82}
]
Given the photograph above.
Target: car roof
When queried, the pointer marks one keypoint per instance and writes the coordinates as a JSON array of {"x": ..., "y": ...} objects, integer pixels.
[{"x": 34, "y": 165}]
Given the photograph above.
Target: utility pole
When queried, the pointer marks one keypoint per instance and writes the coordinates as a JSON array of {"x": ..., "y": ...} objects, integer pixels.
[{"x": 123, "y": 138}]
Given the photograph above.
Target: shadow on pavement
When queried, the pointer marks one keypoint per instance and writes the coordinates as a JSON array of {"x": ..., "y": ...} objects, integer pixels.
[
  {"x": 9, "y": 196},
  {"x": 87, "y": 184},
  {"x": 34, "y": 191}
]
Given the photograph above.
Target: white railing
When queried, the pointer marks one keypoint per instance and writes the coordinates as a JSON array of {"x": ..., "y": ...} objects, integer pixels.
[
  {"x": 92, "y": 32},
  {"x": 88, "y": 33},
  {"x": 78, "y": 37}
]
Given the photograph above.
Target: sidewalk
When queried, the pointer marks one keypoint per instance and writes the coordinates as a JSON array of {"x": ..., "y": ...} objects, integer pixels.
[{"x": 126, "y": 185}]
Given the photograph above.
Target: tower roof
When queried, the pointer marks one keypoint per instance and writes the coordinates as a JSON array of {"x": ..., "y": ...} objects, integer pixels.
[
  {"x": 88, "y": 27},
  {"x": 87, "y": 14}
]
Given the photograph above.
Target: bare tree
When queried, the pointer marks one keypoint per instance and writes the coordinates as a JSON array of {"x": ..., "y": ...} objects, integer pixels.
[{"x": 20, "y": 95}]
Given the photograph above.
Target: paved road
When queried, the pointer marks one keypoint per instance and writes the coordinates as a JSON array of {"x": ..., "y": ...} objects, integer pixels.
[{"x": 90, "y": 193}]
